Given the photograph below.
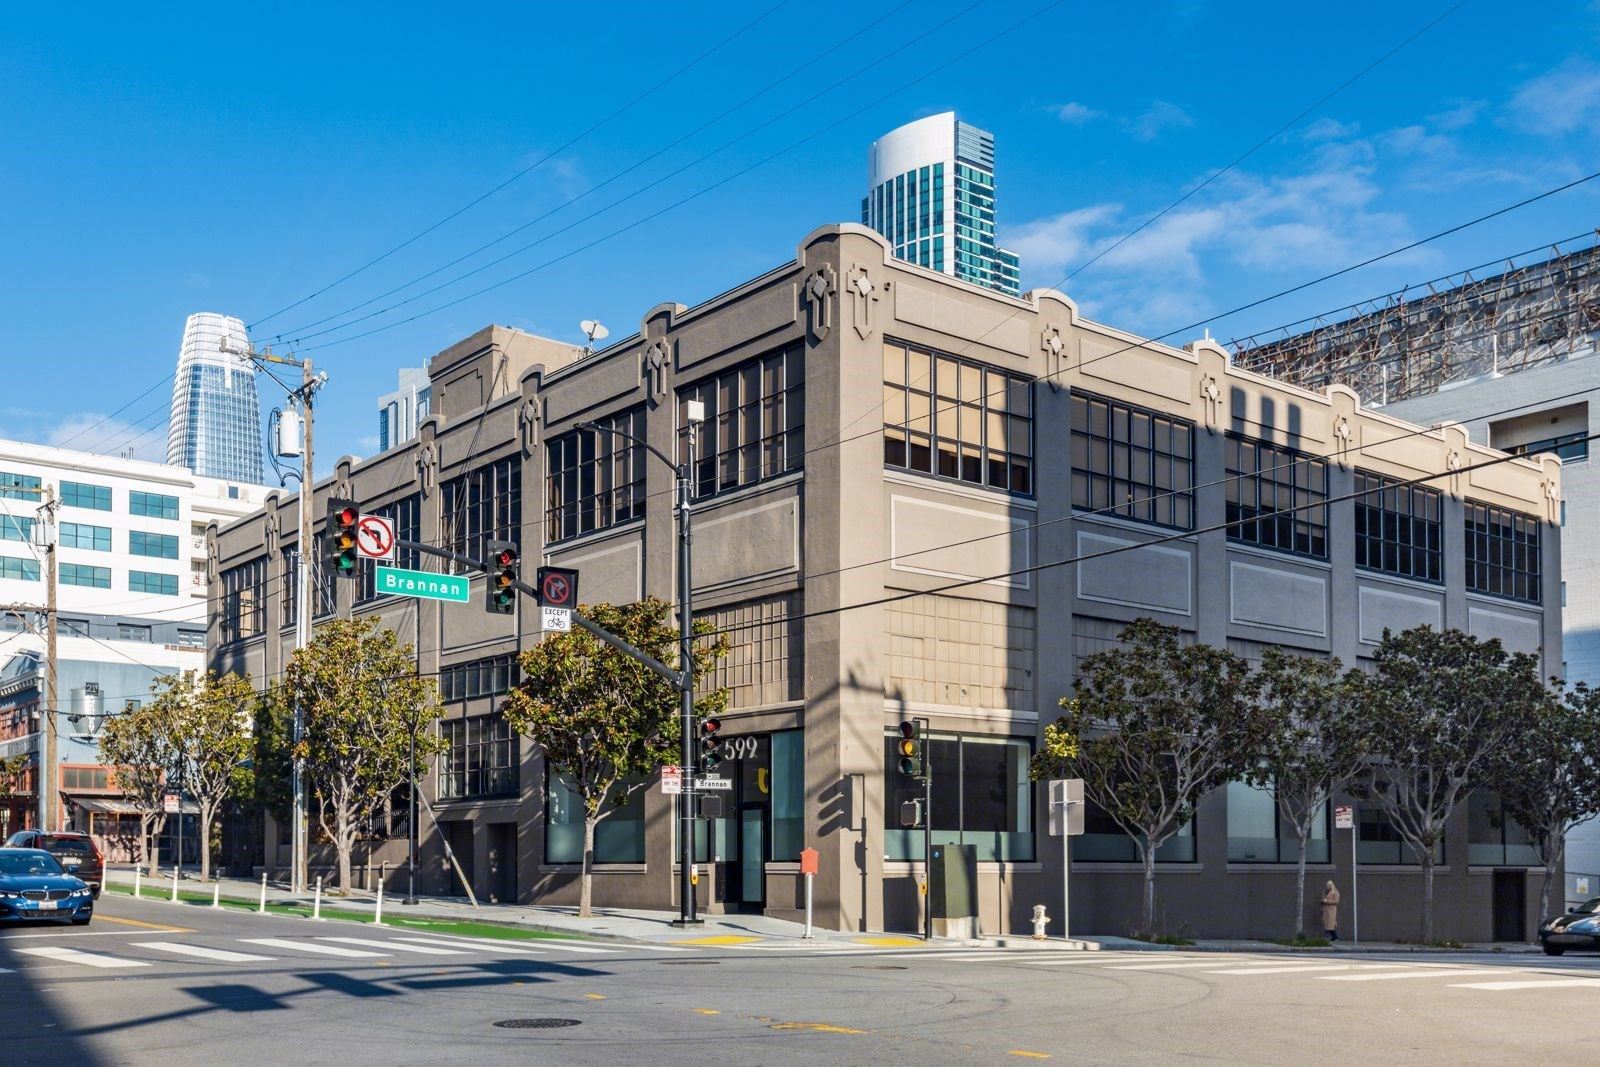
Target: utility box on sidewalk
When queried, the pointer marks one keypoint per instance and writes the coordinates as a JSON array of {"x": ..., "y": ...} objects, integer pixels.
[{"x": 953, "y": 885}]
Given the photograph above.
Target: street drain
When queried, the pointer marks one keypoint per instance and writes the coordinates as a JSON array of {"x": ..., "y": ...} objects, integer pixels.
[
  {"x": 688, "y": 963},
  {"x": 876, "y": 967},
  {"x": 536, "y": 1024}
]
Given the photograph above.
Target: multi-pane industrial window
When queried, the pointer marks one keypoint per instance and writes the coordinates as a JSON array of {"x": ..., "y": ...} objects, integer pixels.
[
  {"x": 151, "y": 582},
  {"x": 480, "y": 758},
  {"x": 81, "y": 574},
  {"x": 1399, "y": 528},
  {"x": 81, "y": 535},
  {"x": 19, "y": 486},
  {"x": 85, "y": 495},
  {"x": 19, "y": 570},
  {"x": 1503, "y": 553},
  {"x": 983, "y": 797},
  {"x": 483, "y": 505},
  {"x": 160, "y": 546},
  {"x": 243, "y": 608},
  {"x": 406, "y": 514},
  {"x": 594, "y": 478},
  {"x": 1132, "y": 462},
  {"x": 153, "y": 505},
  {"x": 954, "y": 419},
  {"x": 489, "y": 676},
  {"x": 1275, "y": 498},
  {"x": 755, "y": 419},
  {"x": 1569, "y": 446},
  {"x": 16, "y": 528}
]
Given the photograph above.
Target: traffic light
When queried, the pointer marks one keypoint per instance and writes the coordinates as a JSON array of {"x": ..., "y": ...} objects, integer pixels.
[
  {"x": 500, "y": 592},
  {"x": 910, "y": 749},
  {"x": 343, "y": 517},
  {"x": 710, "y": 752}
]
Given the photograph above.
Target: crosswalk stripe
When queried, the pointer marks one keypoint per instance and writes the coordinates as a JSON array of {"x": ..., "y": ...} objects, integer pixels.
[
  {"x": 200, "y": 952},
  {"x": 88, "y": 959},
  {"x": 1179, "y": 965},
  {"x": 533, "y": 944},
  {"x": 1303, "y": 968},
  {"x": 1078, "y": 959},
  {"x": 1435, "y": 972},
  {"x": 307, "y": 946},
  {"x": 369, "y": 942},
  {"x": 1545, "y": 983}
]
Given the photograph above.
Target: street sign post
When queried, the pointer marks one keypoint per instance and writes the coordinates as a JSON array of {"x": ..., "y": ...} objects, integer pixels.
[
  {"x": 1344, "y": 818},
  {"x": 672, "y": 779},
  {"x": 375, "y": 537},
  {"x": 555, "y": 620},
  {"x": 1066, "y": 822},
  {"x": 398, "y": 581}
]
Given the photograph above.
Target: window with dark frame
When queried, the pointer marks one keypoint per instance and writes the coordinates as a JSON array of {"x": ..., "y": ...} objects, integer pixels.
[
  {"x": 982, "y": 796},
  {"x": 595, "y": 479},
  {"x": 956, "y": 419},
  {"x": 1503, "y": 553},
  {"x": 1399, "y": 528},
  {"x": 480, "y": 758},
  {"x": 1266, "y": 481},
  {"x": 483, "y": 505},
  {"x": 754, "y": 425},
  {"x": 489, "y": 676},
  {"x": 243, "y": 608},
  {"x": 1132, "y": 462}
]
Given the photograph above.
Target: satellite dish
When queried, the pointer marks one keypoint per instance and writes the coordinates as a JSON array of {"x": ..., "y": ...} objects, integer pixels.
[{"x": 594, "y": 331}]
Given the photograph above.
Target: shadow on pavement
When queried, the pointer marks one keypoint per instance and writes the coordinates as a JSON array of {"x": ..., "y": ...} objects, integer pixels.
[{"x": 35, "y": 1032}]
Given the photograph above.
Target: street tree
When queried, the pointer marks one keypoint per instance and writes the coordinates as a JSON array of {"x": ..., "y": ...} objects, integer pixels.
[
  {"x": 604, "y": 721},
  {"x": 1548, "y": 773},
  {"x": 210, "y": 715},
  {"x": 1437, "y": 707},
  {"x": 12, "y": 770},
  {"x": 1156, "y": 723},
  {"x": 138, "y": 747},
  {"x": 1314, "y": 748},
  {"x": 361, "y": 701}
]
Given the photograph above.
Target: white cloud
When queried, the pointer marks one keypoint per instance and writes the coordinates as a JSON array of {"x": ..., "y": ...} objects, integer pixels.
[
  {"x": 1157, "y": 119},
  {"x": 1562, "y": 101},
  {"x": 1330, "y": 130},
  {"x": 1459, "y": 116},
  {"x": 93, "y": 432},
  {"x": 1075, "y": 114}
]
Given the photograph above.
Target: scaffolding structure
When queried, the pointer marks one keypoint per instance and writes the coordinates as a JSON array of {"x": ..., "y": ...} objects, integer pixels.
[{"x": 1416, "y": 341}]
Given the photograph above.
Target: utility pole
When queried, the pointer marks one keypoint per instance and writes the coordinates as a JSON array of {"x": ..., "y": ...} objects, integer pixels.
[
  {"x": 309, "y": 384},
  {"x": 47, "y": 758}
]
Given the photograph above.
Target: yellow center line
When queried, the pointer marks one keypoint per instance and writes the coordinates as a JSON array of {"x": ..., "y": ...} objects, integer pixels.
[
  {"x": 820, "y": 1028},
  {"x": 1025, "y": 1054},
  {"x": 595, "y": 996},
  {"x": 708, "y": 1011},
  {"x": 147, "y": 926}
]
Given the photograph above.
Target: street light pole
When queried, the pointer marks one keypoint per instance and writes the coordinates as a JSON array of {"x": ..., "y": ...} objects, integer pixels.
[{"x": 682, "y": 473}]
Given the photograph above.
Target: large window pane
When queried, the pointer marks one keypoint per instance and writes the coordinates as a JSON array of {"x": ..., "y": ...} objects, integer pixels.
[
  {"x": 1252, "y": 824},
  {"x": 788, "y": 794},
  {"x": 1264, "y": 482},
  {"x": 1398, "y": 528},
  {"x": 981, "y": 796},
  {"x": 754, "y": 421},
  {"x": 618, "y": 837},
  {"x": 955, "y": 421},
  {"x": 1130, "y": 462},
  {"x": 1503, "y": 553}
]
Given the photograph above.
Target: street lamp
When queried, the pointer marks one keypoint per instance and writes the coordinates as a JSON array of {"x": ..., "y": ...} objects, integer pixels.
[{"x": 695, "y": 414}]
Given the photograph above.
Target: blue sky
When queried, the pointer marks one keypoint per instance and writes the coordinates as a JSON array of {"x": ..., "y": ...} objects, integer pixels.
[{"x": 162, "y": 160}]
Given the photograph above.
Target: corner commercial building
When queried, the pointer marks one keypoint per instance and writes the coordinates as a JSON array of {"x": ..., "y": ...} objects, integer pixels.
[{"x": 894, "y": 467}]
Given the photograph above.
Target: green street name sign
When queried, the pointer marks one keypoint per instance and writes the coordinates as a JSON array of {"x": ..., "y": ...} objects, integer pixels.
[{"x": 399, "y": 582}]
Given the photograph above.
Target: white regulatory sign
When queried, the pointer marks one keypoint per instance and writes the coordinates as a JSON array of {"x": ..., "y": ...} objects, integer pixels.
[
  {"x": 558, "y": 620},
  {"x": 375, "y": 537},
  {"x": 1344, "y": 817},
  {"x": 671, "y": 778}
]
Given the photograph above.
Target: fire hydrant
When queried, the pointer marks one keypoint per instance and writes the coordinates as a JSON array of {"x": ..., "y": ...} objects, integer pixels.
[{"x": 1040, "y": 921}]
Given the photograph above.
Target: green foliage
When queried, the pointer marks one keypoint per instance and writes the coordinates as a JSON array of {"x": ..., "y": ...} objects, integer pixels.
[
  {"x": 208, "y": 718},
  {"x": 138, "y": 747},
  {"x": 12, "y": 769},
  {"x": 1156, "y": 724},
  {"x": 361, "y": 701},
  {"x": 271, "y": 758}
]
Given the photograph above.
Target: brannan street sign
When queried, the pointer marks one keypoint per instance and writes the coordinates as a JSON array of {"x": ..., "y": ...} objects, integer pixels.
[{"x": 397, "y": 581}]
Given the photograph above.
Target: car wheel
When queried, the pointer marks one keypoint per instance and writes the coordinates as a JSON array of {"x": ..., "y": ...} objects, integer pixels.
[
  {"x": 95, "y": 893},
  {"x": 1553, "y": 950}
]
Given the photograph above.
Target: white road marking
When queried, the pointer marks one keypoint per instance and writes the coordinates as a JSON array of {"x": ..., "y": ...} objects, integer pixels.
[
  {"x": 305, "y": 946},
  {"x": 198, "y": 952},
  {"x": 1303, "y": 968},
  {"x": 88, "y": 959},
  {"x": 367, "y": 942},
  {"x": 1188, "y": 963},
  {"x": 1434, "y": 972},
  {"x": 1546, "y": 983},
  {"x": 529, "y": 944}
]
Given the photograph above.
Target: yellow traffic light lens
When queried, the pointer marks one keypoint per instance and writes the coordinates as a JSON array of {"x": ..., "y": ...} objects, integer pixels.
[
  {"x": 345, "y": 540},
  {"x": 908, "y": 748}
]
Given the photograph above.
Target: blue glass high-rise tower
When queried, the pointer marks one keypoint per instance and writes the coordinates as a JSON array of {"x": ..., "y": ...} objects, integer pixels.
[
  {"x": 932, "y": 195},
  {"x": 216, "y": 415}
]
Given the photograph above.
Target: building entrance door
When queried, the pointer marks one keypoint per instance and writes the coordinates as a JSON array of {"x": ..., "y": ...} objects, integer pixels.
[
  {"x": 752, "y": 857},
  {"x": 1511, "y": 905}
]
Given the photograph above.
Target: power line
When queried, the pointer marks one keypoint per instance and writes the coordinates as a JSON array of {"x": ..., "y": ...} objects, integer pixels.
[{"x": 530, "y": 168}]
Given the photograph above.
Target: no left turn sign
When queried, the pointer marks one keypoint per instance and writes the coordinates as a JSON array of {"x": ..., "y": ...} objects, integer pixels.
[{"x": 375, "y": 537}]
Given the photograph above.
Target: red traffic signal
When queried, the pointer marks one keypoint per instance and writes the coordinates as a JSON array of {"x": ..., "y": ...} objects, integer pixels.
[
  {"x": 343, "y": 517},
  {"x": 500, "y": 593},
  {"x": 710, "y": 744}
]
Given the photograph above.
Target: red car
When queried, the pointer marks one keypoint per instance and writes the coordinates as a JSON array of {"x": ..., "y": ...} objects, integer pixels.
[{"x": 76, "y": 853}]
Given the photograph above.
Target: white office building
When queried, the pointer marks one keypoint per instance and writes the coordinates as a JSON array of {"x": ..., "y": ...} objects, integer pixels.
[
  {"x": 216, "y": 414},
  {"x": 402, "y": 411}
]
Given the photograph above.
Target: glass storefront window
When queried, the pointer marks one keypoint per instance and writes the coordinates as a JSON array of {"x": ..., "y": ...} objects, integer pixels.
[
  {"x": 981, "y": 796},
  {"x": 788, "y": 785},
  {"x": 1381, "y": 843},
  {"x": 1103, "y": 841},
  {"x": 1494, "y": 839},
  {"x": 1257, "y": 834},
  {"x": 618, "y": 837}
]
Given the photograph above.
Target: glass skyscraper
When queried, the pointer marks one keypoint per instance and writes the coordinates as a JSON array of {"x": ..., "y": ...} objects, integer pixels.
[
  {"x": 932, "y": 195},
  {"x": 216, "y": 416}
]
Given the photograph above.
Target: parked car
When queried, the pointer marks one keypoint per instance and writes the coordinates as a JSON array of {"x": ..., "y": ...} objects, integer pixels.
[
  {"x": 1579, "y": 928},
  {"x": 34, "y": 887},
  {"x": 77, "y": 852}
]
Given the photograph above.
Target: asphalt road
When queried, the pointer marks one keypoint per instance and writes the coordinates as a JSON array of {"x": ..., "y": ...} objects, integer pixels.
[{"x": 152, "y": 983}]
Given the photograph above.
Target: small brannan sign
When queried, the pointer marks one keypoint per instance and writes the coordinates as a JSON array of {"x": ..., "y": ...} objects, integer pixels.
[{"x": 397, "y": 581}]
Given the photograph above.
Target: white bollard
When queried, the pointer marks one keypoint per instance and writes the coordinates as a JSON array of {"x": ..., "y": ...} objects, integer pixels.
[
  {"x": 316, "y": 904},
  {"x": 135, "y": 881},
  {"x": 377, "y": 918},
  {"x": 263, "y": 908},
  {"x": 216, "y": 894},
  {"x": 174, "y": 883}
]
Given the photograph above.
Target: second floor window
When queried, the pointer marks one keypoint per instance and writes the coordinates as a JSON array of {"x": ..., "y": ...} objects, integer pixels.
[
  {"x": 955, "y": 419},
  {"x": 480, "y": 758},
  {"x": 755, "y": 422},
  {"x": 1264, "y": 483},
  {"x": 1503, "y": 553},
  {"x": 1131, "y": 462},
  {"x": 82, "y": 535},
  {"x": 595, "y": 479},
  {"x": 153, "y": 505},
  {"x": 243, "y": 608},
  {"x": 161, "y": 546},
  {"x": 82, "y": 574},
  {"x": 85, "y": 495},
  {"x": 1399, "y": 528},
  {"x": 483, "y": 505}
]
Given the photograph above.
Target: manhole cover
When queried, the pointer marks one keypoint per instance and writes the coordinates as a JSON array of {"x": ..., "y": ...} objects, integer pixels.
[
  {"x": 876, "y": 967},
  {"x": 688, "y": 963},
  {"x": 536, "y": 1024}
]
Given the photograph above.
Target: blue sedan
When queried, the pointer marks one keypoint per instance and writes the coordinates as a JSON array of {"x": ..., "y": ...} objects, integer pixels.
[{"x": 33, "y": 886}]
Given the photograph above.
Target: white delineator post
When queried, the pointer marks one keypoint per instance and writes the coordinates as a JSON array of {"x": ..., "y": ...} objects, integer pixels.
[
  {"x": 263, "y": 908},
  {"x": 216, "y": 894},
  {"x": 316, "y": 903},
  {"x": 377, "y": 915},
  {"x": 174, "y": 883},
  {"x": 136, "y": 880}
]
